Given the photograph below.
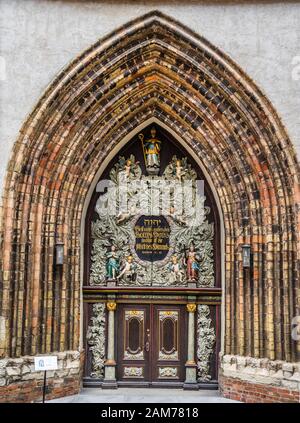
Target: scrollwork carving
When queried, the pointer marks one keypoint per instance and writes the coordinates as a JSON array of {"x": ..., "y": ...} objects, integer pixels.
[
  {"x": 118, "y": 231},
  {"x": 165, "y": 356},
  {"x": 133, "y": 372},
  {"x": 96, "y": 340},
  {"x": 206, "y": 339},
  {"x": 167, "y": 372}
]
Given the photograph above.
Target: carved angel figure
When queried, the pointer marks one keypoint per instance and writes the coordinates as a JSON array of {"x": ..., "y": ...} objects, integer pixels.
[
  {"x": 176, "y": 270},
  {"x": 128, "y": 271}
]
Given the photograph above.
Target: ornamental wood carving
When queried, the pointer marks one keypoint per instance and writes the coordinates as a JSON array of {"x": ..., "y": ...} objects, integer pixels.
[
  {"x": 206, "y": 338},
  {"x": 185, "y": 250},
  {"x": 96, "y": 340}
]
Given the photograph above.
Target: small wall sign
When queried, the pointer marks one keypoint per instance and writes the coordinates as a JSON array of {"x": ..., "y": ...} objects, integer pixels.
[{"x": 45, "y": 363}]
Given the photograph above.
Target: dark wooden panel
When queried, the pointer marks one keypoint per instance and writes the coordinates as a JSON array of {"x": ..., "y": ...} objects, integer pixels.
[
  {"x": 132, "y": 331},
  {"x": 169, "y": 350}
]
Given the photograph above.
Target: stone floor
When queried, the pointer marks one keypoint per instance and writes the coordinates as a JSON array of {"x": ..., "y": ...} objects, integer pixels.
[{"x": 143, "y": 395}]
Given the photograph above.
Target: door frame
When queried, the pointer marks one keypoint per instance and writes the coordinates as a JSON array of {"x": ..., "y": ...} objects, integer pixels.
[{"x": 120, "y": 325}]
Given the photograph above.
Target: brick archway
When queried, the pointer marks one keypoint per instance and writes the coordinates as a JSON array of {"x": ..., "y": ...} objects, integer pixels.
[{"x": 151, "y": 67}]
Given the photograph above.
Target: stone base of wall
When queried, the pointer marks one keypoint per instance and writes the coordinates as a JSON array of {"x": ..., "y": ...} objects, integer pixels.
[
  {"x": 250, "y": 379},
  {"x": 19, "y": 382}
]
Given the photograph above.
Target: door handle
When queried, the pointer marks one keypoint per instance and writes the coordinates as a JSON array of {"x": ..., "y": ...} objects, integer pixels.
[{"x": 147, "y": 345}]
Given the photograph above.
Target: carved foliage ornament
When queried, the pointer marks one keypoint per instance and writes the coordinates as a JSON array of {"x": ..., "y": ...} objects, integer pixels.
[
  {"x": 96, "y": 340},
  {"x": 133, "y": 372},
  {"x": 206, "y": 339},
  {"x": 167, "y": 372},
  {"x": 117, "y": 231}
]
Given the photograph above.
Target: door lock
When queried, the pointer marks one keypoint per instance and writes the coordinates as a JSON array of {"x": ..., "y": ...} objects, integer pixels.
[{"x": 147, "y": 345}]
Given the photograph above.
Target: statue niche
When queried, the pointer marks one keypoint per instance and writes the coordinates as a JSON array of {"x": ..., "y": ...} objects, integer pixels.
[{"x": 151, "y": 148}]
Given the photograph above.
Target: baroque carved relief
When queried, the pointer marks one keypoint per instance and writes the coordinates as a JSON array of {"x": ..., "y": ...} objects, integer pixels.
[
  {"x": 133, "y": 372},
  {"x": 167, "y": 372},
  {"x": 206, "y": 338},
  {"x": 168, "y": 314},
  {"x": 189, "y": 244},
  {"x": 165, "y": 356},
  {"x": 96, "y": 340}
]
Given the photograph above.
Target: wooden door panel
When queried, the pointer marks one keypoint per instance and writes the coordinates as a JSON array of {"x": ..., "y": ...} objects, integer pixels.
[
  {"x": 151, "y": 343},
  {"x": 169, "y": 344},
  {"x": 132, "y": 330},
  {"x": 168, "y": 348},
  {"x": 134, "y": 335}
]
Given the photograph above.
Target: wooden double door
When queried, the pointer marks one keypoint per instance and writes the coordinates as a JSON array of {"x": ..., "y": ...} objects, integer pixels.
[{"x": 151, "y": 343}]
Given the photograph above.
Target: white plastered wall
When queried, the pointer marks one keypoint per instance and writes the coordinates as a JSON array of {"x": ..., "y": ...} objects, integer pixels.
[{"x": 39, "y": 37}]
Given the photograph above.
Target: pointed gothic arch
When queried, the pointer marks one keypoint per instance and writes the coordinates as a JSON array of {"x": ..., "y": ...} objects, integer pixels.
[{"x": 151, "y": 67}]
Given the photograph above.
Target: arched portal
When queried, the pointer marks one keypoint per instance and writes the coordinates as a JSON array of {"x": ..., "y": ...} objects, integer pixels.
[
  {"x": 151, "y": 67},
  {"x": 154, "y": 238}
]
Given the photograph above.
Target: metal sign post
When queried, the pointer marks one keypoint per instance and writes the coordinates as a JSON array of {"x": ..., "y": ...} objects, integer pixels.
[
  {"x": 44, "y": 386},
  {"x": 44, "y": 363}
]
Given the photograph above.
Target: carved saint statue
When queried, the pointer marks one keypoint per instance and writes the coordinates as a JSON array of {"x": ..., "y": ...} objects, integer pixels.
[
  {"x": 112, "y": 263},
  {"x": 192, "y": 265},
  {"x": 176, "y": 271},
  {"x": 129, "y": 270},
  {"x": 151, "y": 149}
]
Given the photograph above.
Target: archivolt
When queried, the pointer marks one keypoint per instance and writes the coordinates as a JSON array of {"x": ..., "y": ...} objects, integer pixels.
[{"x": 152, "y": 67}]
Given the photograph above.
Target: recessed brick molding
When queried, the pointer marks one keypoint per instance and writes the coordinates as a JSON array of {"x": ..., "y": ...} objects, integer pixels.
[{"x": 151, "y": 67}]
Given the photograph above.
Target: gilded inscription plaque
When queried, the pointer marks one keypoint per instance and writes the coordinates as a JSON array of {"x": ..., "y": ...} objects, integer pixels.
[{"x": 152, "y": 234}]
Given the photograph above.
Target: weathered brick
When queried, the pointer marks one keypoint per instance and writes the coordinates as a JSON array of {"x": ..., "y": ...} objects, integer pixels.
[{"x": 82, "y": 117}]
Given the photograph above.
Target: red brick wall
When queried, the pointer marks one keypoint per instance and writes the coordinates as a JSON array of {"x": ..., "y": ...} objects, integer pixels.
[
  {"x": 251, "y": 392},
  {"x": 32, "y": 391}
]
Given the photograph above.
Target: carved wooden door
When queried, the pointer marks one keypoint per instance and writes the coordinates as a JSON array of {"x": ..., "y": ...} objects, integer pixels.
[
  {"x": 151, "y": 343},
  {"x": 133, "y": 343},
  {"x": 169, "y": 343}
]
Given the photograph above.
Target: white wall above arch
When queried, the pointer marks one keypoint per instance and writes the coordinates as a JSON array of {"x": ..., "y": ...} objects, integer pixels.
[{"x": 38, "y": 38}]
